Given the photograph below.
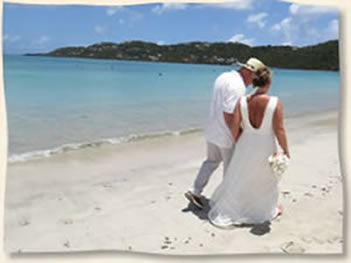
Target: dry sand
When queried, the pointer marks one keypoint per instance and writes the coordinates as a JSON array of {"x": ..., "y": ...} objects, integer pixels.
[{"x": 130, "y": 197}]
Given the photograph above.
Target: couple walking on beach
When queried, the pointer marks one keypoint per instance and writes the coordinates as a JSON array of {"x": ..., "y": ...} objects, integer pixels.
[{"x": 242, "y": 132}]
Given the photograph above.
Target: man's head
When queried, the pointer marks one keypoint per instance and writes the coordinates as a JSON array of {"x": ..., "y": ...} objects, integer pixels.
[{"x": 248, "y": 69}]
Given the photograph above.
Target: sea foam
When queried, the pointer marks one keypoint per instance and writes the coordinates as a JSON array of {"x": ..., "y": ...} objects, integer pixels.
[{"x": 40, "y": 154}]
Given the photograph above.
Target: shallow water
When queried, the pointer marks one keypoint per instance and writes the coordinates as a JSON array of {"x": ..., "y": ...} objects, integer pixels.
[{"x": 59, "y": 104}]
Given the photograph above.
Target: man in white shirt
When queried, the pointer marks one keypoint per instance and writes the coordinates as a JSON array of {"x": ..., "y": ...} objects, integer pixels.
[{"x": 228, "y": 88}]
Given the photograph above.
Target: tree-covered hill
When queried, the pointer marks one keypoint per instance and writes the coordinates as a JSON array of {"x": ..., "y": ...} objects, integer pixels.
[{"x": 323, "y": 56}]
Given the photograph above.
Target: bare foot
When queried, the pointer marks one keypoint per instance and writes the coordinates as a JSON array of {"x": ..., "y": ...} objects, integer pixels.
[{"x": 280, "y": 210}]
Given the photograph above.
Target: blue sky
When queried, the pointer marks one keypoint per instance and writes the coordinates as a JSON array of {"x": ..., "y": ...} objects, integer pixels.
[{"x": 41, "y": 28}]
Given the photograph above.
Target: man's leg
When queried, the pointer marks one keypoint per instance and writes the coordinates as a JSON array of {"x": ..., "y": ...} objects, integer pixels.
[{"x": 214, "y": 158}]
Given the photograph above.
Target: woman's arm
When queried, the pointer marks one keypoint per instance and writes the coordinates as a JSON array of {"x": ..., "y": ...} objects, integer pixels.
[
  {"x": 228, "y": 118},
  {"x": 235, "y": 125},
  {"x": 278, "y": 128}
]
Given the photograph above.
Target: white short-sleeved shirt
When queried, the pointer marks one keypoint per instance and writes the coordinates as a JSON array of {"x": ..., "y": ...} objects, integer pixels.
[{"x": 227, "y": 89}]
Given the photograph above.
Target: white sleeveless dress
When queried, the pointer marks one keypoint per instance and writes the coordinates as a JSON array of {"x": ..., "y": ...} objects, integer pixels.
[{"x": 249, "y": 192}]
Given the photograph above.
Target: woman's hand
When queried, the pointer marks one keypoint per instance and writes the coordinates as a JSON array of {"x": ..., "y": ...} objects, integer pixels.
[{"x": 284, "y": 152}]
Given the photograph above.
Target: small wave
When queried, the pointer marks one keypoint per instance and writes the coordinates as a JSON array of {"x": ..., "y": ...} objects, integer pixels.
[{"x": 39, "y": 154}]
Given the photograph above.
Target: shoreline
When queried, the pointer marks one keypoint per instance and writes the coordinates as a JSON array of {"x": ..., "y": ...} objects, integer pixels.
[{"x": 292, "y": 120}]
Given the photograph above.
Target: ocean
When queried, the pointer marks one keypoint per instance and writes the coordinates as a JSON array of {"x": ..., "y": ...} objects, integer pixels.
[{"x": 60, "y": 104}]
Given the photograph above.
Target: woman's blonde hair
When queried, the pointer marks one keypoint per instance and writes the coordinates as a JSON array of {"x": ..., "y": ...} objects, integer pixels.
[{"x": 262, "y": 77}]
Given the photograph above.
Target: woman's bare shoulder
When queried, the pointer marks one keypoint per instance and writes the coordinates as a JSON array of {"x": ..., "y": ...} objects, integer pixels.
[{"x": 260, "y": 99}]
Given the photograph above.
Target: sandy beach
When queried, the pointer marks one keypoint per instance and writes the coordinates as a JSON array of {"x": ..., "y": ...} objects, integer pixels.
[{"x": 130, "y": 197}]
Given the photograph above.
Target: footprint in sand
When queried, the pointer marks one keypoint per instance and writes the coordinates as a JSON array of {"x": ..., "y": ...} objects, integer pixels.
[
  {"x": 24, "y": 222},
  {"x": 167, "y": 241},
  {"x": 67, "y": 244},
  {"x": 107, "y": 185},
  {"x": 67, "y": 221},
  {"x": 187, "y": 240},
  {"x": 308, "y": 194},
  {"x": 285, "y": 193},
  {"x": 292, "y": 247},
  {"x": 325, "y": 189}
]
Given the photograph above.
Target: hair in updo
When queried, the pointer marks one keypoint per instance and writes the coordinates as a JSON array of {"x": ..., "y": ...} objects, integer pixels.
[{"x": 262, "y": 77}]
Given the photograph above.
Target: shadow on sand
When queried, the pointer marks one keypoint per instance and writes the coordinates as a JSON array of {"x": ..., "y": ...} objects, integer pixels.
[{"x": 202, "y": 214}]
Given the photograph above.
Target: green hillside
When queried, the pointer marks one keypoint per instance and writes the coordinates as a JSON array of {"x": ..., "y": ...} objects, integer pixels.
[{"x": 323, "y": 56}]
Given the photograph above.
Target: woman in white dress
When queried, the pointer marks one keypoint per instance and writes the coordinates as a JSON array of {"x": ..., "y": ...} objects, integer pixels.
[{"x": 249, "y": 192}]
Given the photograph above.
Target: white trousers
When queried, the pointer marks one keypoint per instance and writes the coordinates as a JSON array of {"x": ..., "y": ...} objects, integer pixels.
[{"x": 215, "y": 155}]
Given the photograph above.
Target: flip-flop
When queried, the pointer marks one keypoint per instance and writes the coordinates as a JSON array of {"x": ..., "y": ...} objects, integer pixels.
[{"x": 194, "y": 200}]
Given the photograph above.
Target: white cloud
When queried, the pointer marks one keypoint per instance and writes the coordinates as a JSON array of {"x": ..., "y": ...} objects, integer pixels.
[
  {"x": 333, "y": 29},
  {"x": 160, "y": 9},
  {"x": 41, "y": 41},
  {"x": 129, "y": 16},
  {"x": 286, "y": 44},
  {"x": 296, "y": 9},
  {"x": 240, "y": 38},
  {"x": 283, "y": 25},
  {"x": 258, "y": 19},
  {"x": 276, "y": 27},
  {"x": 235, "y": 4},
  {"x": 100, "y": 30},
  {"x": 161, "y": 43},
  {"x": 287, "y": 28},
  {"x": 232, "y": 4},
  {"x": 113, "y": 10},
  {"x": 11, "y": 39},
  {"x": 299, "y": 26}
]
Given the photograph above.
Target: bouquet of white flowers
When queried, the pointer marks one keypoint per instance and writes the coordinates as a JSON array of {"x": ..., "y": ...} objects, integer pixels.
[{"x": 279, "y": 164}]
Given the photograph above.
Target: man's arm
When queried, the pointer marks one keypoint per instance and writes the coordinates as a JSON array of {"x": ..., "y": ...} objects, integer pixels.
[{"x": 235, "y": 125}]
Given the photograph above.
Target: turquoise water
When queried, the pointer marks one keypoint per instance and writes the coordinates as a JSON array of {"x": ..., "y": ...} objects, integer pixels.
[{"x": 56, "y": 104}]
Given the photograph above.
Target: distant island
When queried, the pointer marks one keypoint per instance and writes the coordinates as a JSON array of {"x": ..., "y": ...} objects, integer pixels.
[{"x": 323, "y": 56}]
